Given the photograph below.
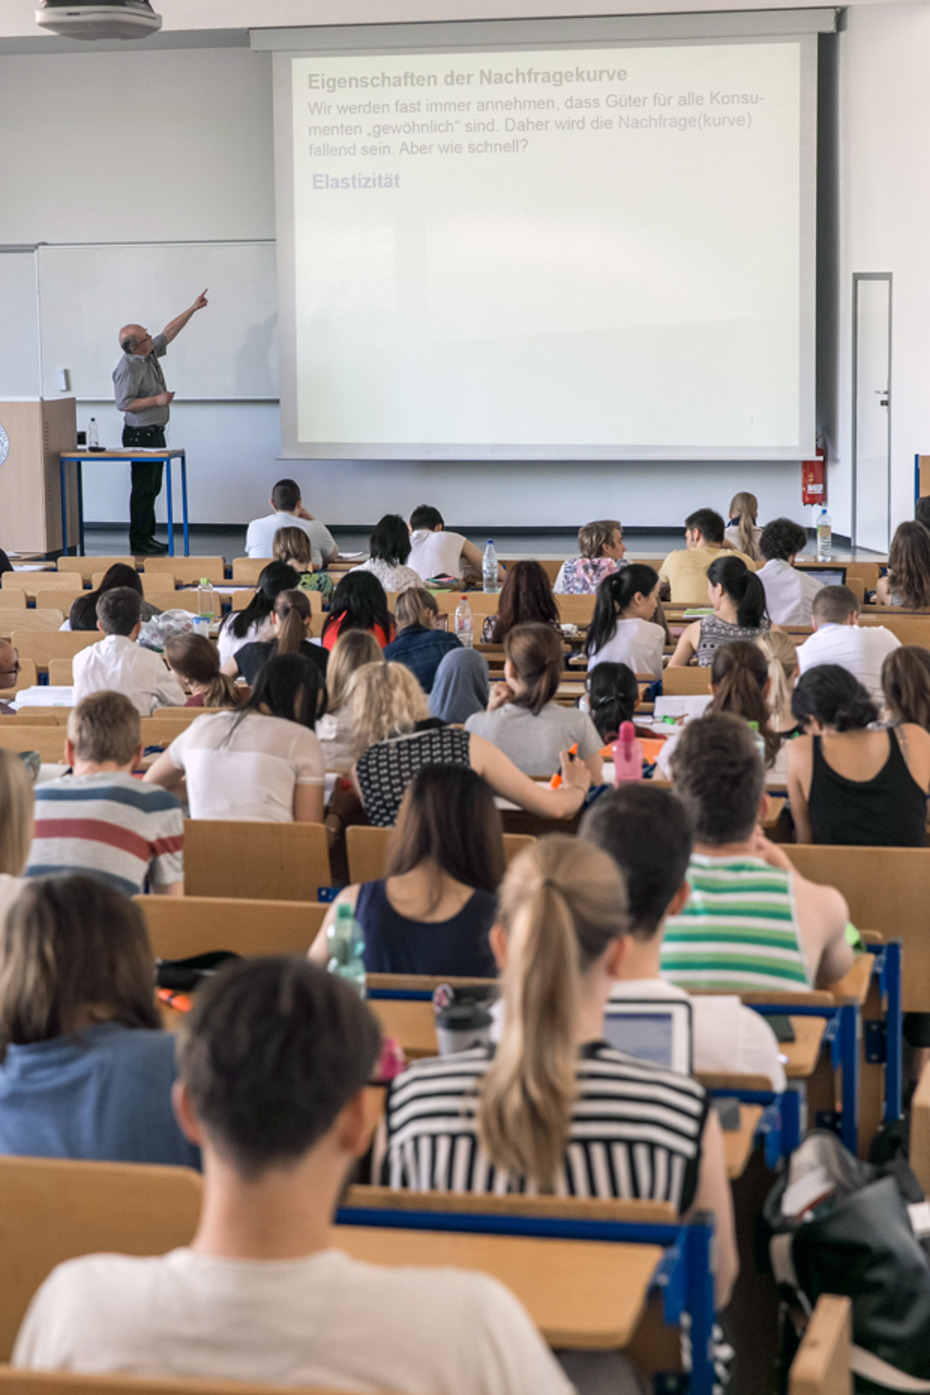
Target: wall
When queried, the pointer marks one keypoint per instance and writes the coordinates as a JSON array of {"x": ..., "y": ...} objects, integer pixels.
[{"x": 196, "y": 162}]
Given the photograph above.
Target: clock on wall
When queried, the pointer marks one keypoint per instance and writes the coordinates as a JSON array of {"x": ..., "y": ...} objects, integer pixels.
[{"x": 4, "y": 444}]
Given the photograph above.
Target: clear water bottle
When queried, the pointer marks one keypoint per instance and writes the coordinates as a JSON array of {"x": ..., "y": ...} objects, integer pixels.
[
  {"x": 758, "y": 740},
  {"x": 464, "y": 623},
  {"x": 627, "y": 754},
  {"x": 93, "y": 435},
  {"x": 346, "y": 944},
  {"x": 204, "y": 606},
  {"x": 824, "y": 537},
  {"x": 489, "y": 568}
]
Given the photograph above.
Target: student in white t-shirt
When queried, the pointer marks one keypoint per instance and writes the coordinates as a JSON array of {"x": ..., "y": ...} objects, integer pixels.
[
  {"x": 273, "y": 1065},
  {"x": 288, "y": 512},
  {"x": 623, "y": 629},
  {"x": 647, "y": 833},
  {"x": 434, "y": 552},
  {"x": 838, "y": 638}
]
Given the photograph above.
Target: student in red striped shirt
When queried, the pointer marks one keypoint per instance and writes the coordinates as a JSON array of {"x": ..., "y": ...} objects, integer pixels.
[{"x": 98, "y": 819}]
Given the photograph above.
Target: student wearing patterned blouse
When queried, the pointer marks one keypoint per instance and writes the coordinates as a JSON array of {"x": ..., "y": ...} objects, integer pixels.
[
  {"x": 602, "y": 551},
  {"x": 601, "y": 1123},
  {"x": 738, "y": 598}
]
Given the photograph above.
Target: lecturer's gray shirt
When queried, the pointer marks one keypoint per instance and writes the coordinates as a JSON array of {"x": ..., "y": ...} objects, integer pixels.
[{"x": 140, "y": 375}]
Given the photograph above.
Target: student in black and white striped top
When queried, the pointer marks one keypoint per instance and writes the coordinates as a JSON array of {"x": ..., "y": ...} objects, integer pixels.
[{"x": 599, "y": 1123}]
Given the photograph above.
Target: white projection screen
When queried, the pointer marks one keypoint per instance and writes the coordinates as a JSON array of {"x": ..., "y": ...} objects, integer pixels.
[{"x": 556, "y": 251}]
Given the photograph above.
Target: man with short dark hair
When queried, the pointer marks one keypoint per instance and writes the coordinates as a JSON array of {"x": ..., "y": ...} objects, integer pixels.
[
  {"x": 119, "y": 664},
  {"x": 98, "y": 819},
  {"x": 647, "y": 833},
  {"x": 789, "y": 594},
  {"x": 684, "y": 572},
  {"x": 273, "y": 1066},
  {"x": 434, "y": 552},
  {"x": 751, "y": 921},
  {"x": 838, "y": 638},
  {"x": 288, "y": 512}
]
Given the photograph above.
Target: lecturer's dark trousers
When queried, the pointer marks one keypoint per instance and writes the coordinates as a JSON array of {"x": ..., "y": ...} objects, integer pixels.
[{"x": 146, "y": 483}]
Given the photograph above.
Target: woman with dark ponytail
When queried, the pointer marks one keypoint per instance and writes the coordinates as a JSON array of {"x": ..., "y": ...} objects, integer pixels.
[
  {"x": 739, "y": 681},
  {"x": 738, "y": 598},
  {"x": 850, "y": 781},
  {"x": 623, "y": 630}
]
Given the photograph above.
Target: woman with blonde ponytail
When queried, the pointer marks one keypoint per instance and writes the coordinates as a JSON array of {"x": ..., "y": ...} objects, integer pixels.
[
  {"x": 742, "y": 531},
  {"x": 291, "y": 627},
  {"x": 553, "y": 1108}
]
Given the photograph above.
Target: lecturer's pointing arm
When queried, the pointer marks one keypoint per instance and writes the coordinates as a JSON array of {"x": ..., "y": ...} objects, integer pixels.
[{"x": 173, "y": 328}]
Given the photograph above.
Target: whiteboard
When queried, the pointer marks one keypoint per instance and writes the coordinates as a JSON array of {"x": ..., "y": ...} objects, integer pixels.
[
  {"x": 227, "y": 352},
  {"x": 19, "y": 344}
]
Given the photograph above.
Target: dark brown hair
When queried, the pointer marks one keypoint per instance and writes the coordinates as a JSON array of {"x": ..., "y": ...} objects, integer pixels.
[
  {"x": 84, "y": 608},
  {"x": 448, "y": 816},
  {"x": 193, "y": 657},
  {"x": 906, "y": 684},
  {"x": 536, "y": 654},
  {"x": 719, "y": 777},
  {"x": 909, "y": 565},
  {"x": 69, "y": 944},
  {"x": 738, "y": 675},
  {"x": 526, "y": 599},
  {"x": 292, "y": 608}
]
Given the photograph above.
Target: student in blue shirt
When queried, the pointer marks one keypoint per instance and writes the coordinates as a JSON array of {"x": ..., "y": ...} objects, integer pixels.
[{"x": 419, "y": 645}]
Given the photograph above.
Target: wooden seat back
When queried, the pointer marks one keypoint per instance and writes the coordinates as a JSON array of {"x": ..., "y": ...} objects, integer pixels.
[
  {"x": 260, "y": 861},
  {"x": 49, "y": 741},
  {"x": 367, "y": 848},
  {"x": 182, "y": 600},
  {"x": 54, "y": 1209},
  {"x": 181, "y": 926},
  {"x": 35, "y": 717},
  {"x": 821, "y": 1366},
  {"x": 189, "y": 570},
  {"x": 87, "y": 567},
  {"x": 45, "y": 645},
  {"x": 66, "y": 582},
  {"x": 576, "y": 610},
  {"x": 14, "y": 1381},
  {"x": 545, "y": 1207},
  {"x": 247, "y": 570},
  {"x": 13, "y": 597},
  {"x": 60, "y": 674},
  {"x": 160, "y": 730},
  {"x": 45, "y": 619},
  {"x": 686, "y": 682},
  {"x": 27, "y": 677}
]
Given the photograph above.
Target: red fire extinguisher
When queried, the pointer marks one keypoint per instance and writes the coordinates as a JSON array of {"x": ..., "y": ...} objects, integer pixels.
[{"x": 814, "y": 476}]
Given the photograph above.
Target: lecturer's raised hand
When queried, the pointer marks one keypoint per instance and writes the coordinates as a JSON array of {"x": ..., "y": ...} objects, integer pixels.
[{"x": 201, "y": 302}]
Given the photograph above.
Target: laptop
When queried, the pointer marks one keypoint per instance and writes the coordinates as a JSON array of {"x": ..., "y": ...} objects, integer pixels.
[
  {"x": 652, "y": 1030},
  {"x": 830, "y": 576}
]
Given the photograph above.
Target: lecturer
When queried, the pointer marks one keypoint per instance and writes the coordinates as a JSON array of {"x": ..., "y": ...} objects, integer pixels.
[{"x": 141, "y": 395}]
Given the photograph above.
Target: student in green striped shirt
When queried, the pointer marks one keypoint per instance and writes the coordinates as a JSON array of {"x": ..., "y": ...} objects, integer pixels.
[{"x": 751, "y": 921}]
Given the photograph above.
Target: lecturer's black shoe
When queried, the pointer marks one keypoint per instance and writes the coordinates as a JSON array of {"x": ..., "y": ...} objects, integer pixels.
[{"x": 148, "y": 547}]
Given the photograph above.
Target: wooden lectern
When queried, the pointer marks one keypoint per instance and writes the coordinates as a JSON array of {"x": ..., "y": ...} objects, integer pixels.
[{"x": 30, "y": 478}]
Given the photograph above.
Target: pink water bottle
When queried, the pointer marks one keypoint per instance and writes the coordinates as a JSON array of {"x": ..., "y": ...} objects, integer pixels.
[{"x": 628, "y": 755}]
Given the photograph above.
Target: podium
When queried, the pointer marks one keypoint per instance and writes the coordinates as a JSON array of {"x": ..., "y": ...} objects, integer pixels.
[{"x": 31, "y": 478}]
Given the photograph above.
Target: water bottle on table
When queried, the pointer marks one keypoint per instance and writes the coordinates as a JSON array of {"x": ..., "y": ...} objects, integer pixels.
[
  {"x": 628, "y": 755},
  {"x": 345, "y": 942},
  {"x": 824, "y": 537},
  {"x": 464, "y": 624},
  {"x": 489, "y": 568},
  {"x": 93, "y": 436},
  {"x": 204, "y": 606}
]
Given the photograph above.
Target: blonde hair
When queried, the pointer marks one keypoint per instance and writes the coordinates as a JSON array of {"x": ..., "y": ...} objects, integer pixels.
[
  {"x": 415, "y": 606},
  {"x": 593, "y": 537},
  {"x": 104, "y": 727},
  {"x": 352, "y": 650},
  {"x": 782, "y": 659},
  {"x": 292, "y": 545},
  {"x": 561, "y": 904},
  {"x": 16, "y": 811},
  {"x": 745, "y": 507},
  {"x": 384, "y": 700}
]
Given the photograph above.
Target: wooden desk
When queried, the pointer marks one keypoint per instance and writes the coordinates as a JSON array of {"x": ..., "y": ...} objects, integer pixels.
[
  {"x": 738, "y": 1143},
  {"x": 580, "y": 1293},
  {"x": 411, "y": 1023},
  {"x": 804, "y": 1052}
]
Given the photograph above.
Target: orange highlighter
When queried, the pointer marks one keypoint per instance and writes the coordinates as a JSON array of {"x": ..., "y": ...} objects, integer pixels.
[{"x": 556, "y": 780}]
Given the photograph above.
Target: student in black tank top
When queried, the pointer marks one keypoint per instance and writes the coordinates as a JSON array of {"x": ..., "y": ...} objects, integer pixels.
[{"x": 848, "y": 780}]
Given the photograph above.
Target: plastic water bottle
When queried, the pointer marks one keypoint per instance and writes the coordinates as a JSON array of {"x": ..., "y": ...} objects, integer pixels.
[
  {"x": 464, "y": 624},
  {"x": 824, "y": 537},
  {"x": 93, "y": 436},
  {"x": 758, "y": 740},
  {"x": 628, "y": 755},
  {"x": 489, "y": 568},
  {"x": 346, "y": 943},
  {"x": 205, "y": 610}
]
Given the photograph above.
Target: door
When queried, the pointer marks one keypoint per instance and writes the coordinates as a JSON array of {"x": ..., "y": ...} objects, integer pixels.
[{"x": 871, "y": 519}]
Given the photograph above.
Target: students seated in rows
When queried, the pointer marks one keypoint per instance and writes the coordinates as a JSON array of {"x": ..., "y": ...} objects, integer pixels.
[
  {"x": 647, "y": 833},
  {"x": 16, "y": 811},
  {"x": 432, "y": 910},
  {"x": 742, "y": 532},
  {"x": 553, "y": 1107},
  {"x": 274, "y": 1064},
  {"x": 419, "y": 644},
  {"x": 602, "y": 550},
  {"x": 526, "y": 599},
  {"x": 738, "y": 600},
  {"x": 287, "y": 511},
  {"x": 789, "y": 593},
  {"x": 684, "y": 571},
  {"x": 907, "y": 582},
  {"x": 86, "y": 1072},
  {"x": 98, "y": 819},
  {"x": 260, "y": 762},
  {"x": 388, "y": 550},
  {"x": 751, "y": 921},
  {"x": 623, "y": 629},
  {"x": 523, "y": 719},
  {"x": 435, "y": 552},
  {"x": 359, "y": 603},
  {"x": 119, "y": 664},
  {"x": 396, "y": 736},
  {"x": 838, "y": 638},
  {"x": 906, "y": 685},
  {"x": 83, "y": 615},
  {"x": 254, "y": 623},
  {"x": 291, "y": 628},
  {"x": 293, "y": 547},
  {"x": 195, "y": 663},
  {"x": 847, "y": 781},
  {"x": 336, "y": 729}
]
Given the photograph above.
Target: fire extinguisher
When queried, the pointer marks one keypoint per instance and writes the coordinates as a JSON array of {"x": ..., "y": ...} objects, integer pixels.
[{"x": 814, "y": 476}]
